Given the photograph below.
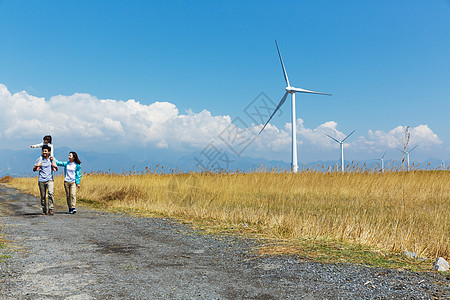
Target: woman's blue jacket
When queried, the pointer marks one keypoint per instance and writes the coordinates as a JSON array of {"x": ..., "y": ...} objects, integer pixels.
[{"x": 77, "y": 169}]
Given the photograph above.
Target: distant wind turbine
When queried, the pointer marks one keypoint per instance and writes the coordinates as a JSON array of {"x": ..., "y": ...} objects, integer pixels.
[
  {"x": 341, "y": 143},
  {"x": 443, "y": 163},
  {"x": 382, "y": 161},
  {"x": 407, "y": 155},
  {"x": 290, "y": 90}
]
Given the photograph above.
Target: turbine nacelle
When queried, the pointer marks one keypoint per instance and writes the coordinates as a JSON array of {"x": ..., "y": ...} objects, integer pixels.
[{"x": 292, "y": 90}]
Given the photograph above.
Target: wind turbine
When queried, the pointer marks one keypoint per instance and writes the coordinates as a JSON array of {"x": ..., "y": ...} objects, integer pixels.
[
  {"x": 443, "y": 163},
  {"x": 342, "y": 147},
  {"x": 382, "y": 161},
  {"x": 407, "y": 155},
  {"x": 290, "y": 90}
]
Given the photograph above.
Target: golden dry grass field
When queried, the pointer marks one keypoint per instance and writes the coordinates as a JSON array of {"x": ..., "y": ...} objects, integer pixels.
[{"x": 389, "y": 212}]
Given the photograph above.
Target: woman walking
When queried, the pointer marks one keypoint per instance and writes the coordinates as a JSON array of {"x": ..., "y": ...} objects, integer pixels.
[{"x": 72, "y": 172}]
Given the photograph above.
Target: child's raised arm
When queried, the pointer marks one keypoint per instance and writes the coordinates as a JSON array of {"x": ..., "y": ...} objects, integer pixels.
[{"x": 37, "y": 145}]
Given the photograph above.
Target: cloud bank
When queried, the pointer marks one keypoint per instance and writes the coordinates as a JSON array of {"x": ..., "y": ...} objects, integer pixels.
[
  {"x": 104, "y": 124},
  {"x": 84, "y": 118}
]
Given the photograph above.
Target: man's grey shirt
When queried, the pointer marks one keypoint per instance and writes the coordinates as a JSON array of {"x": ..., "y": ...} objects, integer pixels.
[{"x": 46, "y": 172}]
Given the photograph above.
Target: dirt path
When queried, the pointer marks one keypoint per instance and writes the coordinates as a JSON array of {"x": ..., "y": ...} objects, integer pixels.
[{"x": 94, "y": 254}]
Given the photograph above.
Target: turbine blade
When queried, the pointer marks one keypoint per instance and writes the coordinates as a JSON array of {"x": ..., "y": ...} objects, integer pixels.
[
  {"x": 383, "y": 155},
  {"x": 308, "y": 91},
  {"x": 332, "y": 138},
  {"x": 282, "y": 65},
  {"x": 348, "y": 136},
  {"x": 413, "y": 148},
  {"x": 276, "y": 109}
]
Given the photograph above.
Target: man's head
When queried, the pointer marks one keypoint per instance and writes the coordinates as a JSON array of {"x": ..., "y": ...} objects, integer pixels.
[{"x": 46, "y": 151}]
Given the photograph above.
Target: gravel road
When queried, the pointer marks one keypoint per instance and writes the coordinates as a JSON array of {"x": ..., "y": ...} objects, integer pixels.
[{"x": 99, "y": 255}]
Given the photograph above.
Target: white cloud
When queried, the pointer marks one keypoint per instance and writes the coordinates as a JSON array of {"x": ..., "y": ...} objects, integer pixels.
[
  {"x": 82, "y": 119},
  {"x": 420, "y": 135},
  {"x": 104, "y": 123},
  {"x": 280, "y": 139},
  {"x": 314, "y": 141}
]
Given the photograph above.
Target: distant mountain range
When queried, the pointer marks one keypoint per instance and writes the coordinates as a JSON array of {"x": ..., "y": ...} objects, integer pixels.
[{"x": 20, "y": 163}]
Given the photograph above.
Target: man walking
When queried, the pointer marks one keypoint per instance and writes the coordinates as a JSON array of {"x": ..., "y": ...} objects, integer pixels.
[{"x": 45, "y": 181}]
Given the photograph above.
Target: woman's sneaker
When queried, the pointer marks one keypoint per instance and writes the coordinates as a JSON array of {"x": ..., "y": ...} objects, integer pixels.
[{"x": 72, "y": 211}]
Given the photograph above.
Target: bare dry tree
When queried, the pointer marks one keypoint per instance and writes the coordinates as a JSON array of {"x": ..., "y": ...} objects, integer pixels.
[{"x": 405, "y": 144}]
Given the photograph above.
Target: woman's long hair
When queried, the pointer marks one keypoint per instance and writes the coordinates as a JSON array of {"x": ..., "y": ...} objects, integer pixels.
[{"x": 75, "y": 157}]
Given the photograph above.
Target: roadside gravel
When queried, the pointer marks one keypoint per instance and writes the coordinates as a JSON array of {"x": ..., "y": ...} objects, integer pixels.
[{"x": 96, "y": 255}]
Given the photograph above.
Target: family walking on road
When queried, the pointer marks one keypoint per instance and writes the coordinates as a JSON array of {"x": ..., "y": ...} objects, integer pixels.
[{"x": 46, "y": 164}]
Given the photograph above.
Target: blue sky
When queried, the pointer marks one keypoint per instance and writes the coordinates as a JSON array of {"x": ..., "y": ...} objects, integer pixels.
[{"x": 387, "y": 64}]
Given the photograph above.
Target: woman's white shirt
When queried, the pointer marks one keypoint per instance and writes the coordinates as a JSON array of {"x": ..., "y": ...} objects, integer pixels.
[{"x": 70, "y": 172}]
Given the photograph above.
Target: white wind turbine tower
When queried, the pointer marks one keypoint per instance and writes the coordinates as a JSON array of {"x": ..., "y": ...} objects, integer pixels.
[
  {"x": 443, "y": 163},
  {"x": 407, "y": 155},
  {"x": 382, "y": 162},
  {"x": 341, "y": 143},
  {"x": 290, "y": 90}
]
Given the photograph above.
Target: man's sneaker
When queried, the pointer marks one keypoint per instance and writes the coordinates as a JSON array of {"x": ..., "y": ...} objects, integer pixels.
[
  {"x": 74, "y": 211},
  {"x": 44, "y": 213},
  {"x": 50, "y": 212}
]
